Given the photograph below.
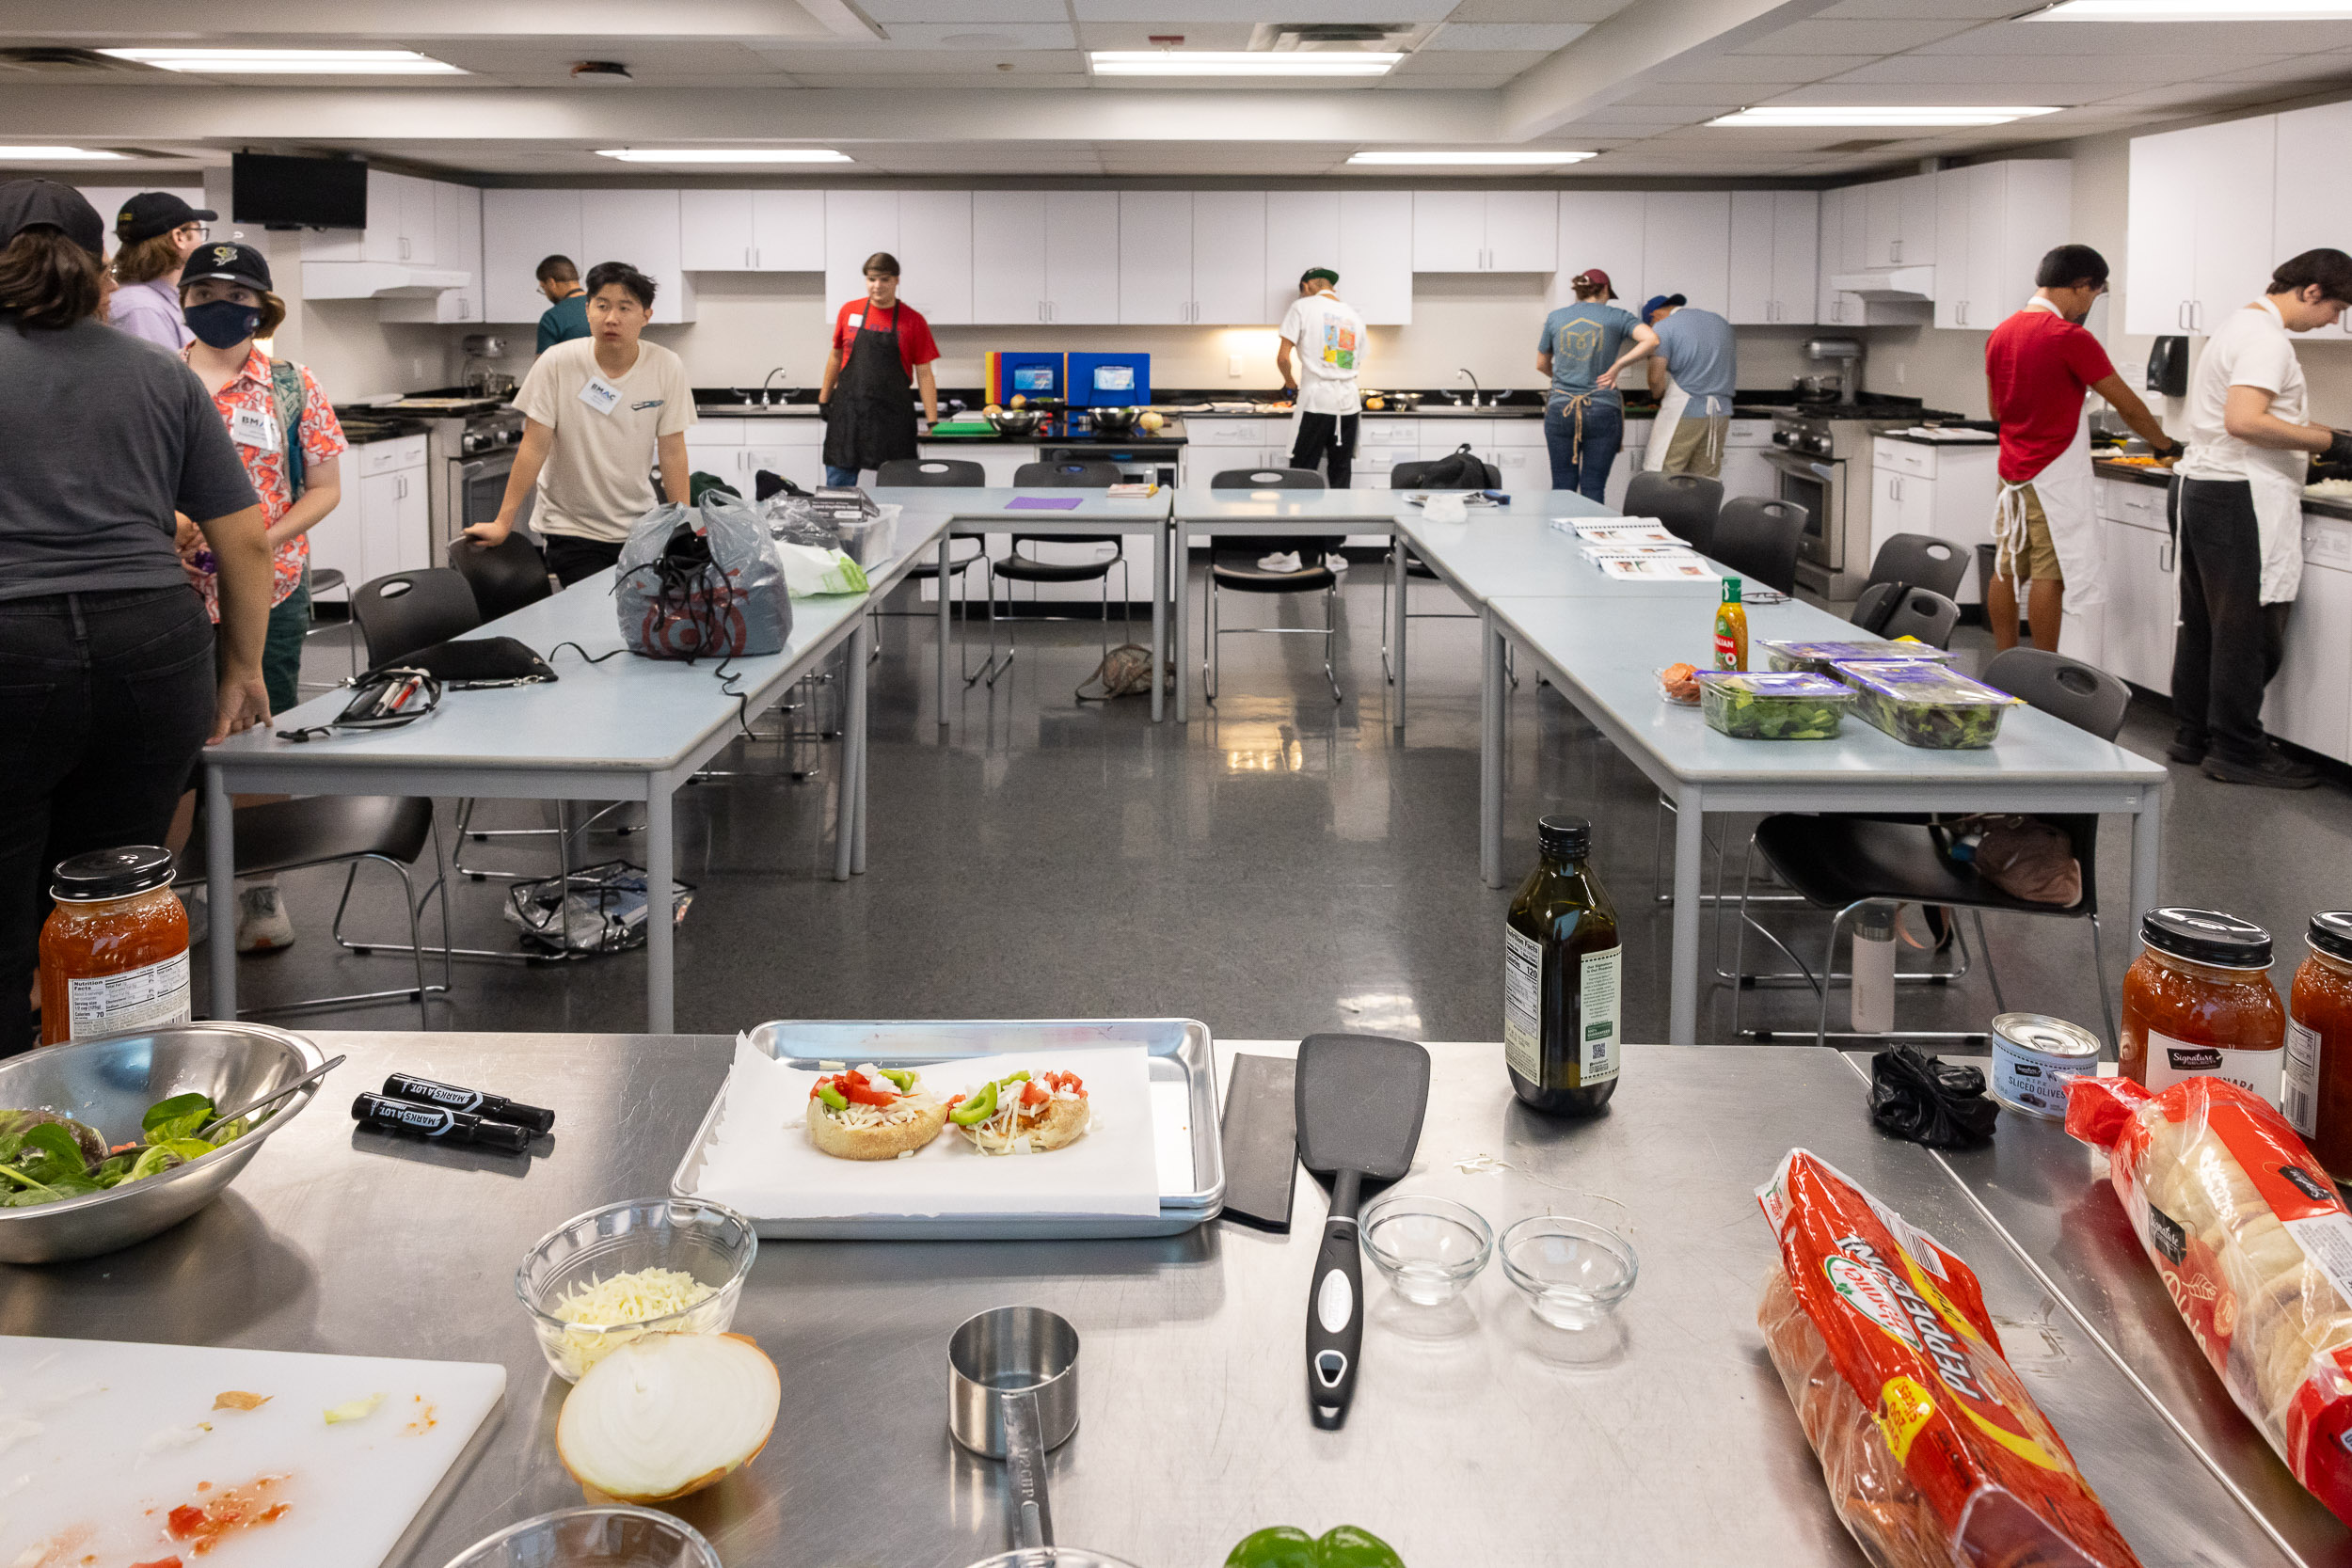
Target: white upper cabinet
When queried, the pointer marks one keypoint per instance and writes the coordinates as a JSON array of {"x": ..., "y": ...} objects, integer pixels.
[
  {"x": 518, "y": 228},
  {"x": 2202, "y": 223},
  {"x": 1899, "y": 222},
  {"x": 752, "y": 231},
  {"x": 935, "y": 254},
  {"x": 1009, "y": 256},
  {"x": 1686, "y": 247},
  {"x": 640, "y": 227},
  {"x": 1155, "y": 257},
  {"x": 1302, "y": 230},
  {"x": 857, "y": 224},
  {"x": 2312, "y": 143},
  {"x": 1995, "y": 222},
  {"x": 1228, "y": 259},
  {"x": 1522, "y": 231},
  {"x": 1375, "y": 263},
  {"x": 401, "y": 226},
  {"x": 1598, "y": 229},
  {"x": 1082, "y": 258},
  {"x": 1486, "y": 232},
  {"x": 1773, "y": 252}
]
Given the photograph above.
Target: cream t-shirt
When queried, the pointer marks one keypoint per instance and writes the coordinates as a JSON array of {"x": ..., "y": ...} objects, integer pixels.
[
  {"x": 598, "y": 479},
  {"x": 1329, "y": 336},
  {"x": 2252, "y": 349}
]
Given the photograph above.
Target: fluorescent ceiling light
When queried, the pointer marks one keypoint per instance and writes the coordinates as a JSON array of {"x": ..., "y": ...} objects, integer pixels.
[
  {"x": 54, "y": 155},
  {"x": 1841, "y": 115},
  {"x": 1243, "y": 62},
  {"x": 290, "y": 62},
  {"x": 1558, "y": 156},
  {"x": 2193, "y": 10},
  {"x": 725, "y": 154}
]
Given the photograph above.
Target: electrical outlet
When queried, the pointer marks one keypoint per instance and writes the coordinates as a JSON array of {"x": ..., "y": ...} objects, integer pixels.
[{"x": 1232, "y": 366}]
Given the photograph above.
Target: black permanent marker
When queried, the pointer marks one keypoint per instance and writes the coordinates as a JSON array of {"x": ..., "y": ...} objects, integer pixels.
[
  {"x": 449, "y": 1097},
  {"x": 433, "y": 1121}
]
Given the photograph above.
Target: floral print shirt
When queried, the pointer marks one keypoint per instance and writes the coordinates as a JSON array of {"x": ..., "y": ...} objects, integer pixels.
[{"x": 250, "y": 392}]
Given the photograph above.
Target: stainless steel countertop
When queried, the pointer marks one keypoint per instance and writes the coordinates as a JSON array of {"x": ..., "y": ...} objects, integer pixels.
[{"x": 1482, "y": 1439}]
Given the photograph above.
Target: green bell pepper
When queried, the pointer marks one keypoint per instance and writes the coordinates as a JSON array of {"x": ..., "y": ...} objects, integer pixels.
[
  {"x": 832, "y": 1097},
  {"x": 1285, "y": 1547},
  {"x": 977, "y": 1109}
]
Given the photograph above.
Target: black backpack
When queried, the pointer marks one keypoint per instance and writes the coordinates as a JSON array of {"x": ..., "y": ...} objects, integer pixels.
[{"x": 1459, "y": 470}]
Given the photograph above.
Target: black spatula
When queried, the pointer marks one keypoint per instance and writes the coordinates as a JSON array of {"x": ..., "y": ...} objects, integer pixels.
[{"x": 1360, "y": 1105}]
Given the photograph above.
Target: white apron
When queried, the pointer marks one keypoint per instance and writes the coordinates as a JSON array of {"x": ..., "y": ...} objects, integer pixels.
[
  {"x": 1662, "y": 430},
  {"x": 2276, "y": 479},
  {"x": 2064, "y": 488}
]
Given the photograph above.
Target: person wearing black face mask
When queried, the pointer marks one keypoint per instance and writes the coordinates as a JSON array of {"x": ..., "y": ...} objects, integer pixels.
[{"x": 287, "y": 433}]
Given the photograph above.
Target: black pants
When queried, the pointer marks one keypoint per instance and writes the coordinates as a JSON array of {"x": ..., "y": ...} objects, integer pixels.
[
  {"x": 572, "y": 557},
  {"x": 1326, "y": 435},
  {"x": 106, "y": 700},
  {"x": 2230, "y": 642}
]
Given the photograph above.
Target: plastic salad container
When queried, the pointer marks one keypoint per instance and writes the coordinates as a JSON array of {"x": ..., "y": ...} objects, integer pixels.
[
  {"x": 1922, "y": 704},
  {"x": 1787, "y": 705},
  {"x": 1819, "y": 656}
]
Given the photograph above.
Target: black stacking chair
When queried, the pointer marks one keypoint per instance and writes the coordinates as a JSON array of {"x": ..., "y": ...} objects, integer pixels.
[
  {"x": 1919, "y": 561},
  {"x": 406, "y": 611},
  {"x": 1686, "y": 504},
  {"x": 1233, "y": 564},
  {"x": 338, "y": 829},
  {"x": 1923, "y": 614},
  {"x": 504, "y": 577},
  {"x": 1407, "y": 476},
  {"x": 1842, "y": 863},
  {"x": 951, "y": 473},
  {"x": 1022, "y": 567},
  {"x": 1759, "y": 539},
  {"x": 325, "y": 580}
]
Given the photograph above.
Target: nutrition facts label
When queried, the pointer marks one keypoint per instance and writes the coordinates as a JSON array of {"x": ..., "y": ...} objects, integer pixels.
[{"x": 135, "y": 999}]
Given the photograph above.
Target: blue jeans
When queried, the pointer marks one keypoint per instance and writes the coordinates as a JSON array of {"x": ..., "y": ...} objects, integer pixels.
[
  {"x": 1585, "y": 471},
  {"x": 840, "y": 478}
]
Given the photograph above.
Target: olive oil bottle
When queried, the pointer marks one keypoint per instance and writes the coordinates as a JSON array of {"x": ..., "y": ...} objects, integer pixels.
[{"x": 1560, "y": 977}]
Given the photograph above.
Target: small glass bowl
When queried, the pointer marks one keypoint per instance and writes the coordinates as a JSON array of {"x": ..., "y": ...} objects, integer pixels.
[
  {"x": 1427, "y": 1249},
  {"x": 612, "y": 1536},
  {"x": 709, "y": 1241},
  {"x": 1573, "y": 1272}
]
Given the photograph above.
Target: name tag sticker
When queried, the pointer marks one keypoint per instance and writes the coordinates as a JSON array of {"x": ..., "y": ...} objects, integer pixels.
[
  {"x": 600, "y": 395},
  {"x": 250, "y": 427},
  {"x": 856, "y": 322}
]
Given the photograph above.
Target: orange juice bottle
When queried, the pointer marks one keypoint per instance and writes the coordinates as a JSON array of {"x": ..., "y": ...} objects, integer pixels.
[{"x": 1731, "y": 629}]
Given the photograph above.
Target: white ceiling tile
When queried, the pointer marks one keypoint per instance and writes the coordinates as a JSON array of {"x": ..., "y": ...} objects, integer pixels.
[
  {"x": 1753, "y": 69},
  {"x": 2118, "y": 69},
  {"x": 1508, "y": 61},
  {"x": 1428, "y": 81},
  {"x": 2305, "y": 73},
  {"x": 1176, "y": 12},
  {"x": 1546, "y": 37},
  {"x": 887, "y": 12},
  {"x": 1137, "y": 35},
  {"x": 1851, "y": 38},
  {"x": 2147, "y": 37},
  {"x": 1538, "y": 11},
  {"x": 868, "y": 62},
  {"x": 981, "y": 35},
  {"x": 1914, "y": 10}
]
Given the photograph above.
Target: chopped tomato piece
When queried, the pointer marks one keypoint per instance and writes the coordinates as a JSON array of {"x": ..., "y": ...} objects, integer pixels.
[
  {"x": 865, "y": 1091},
  {"x": 1035, "y": 1094},
  {"x": 184, "y": 1520}
]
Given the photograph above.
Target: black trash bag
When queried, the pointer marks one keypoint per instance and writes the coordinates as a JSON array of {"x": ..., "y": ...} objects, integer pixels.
[{"x": 1930, "y": 1100}]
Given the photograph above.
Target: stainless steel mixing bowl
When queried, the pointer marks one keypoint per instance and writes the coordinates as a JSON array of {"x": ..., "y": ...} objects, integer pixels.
[{"x": 110, "y": 1083}]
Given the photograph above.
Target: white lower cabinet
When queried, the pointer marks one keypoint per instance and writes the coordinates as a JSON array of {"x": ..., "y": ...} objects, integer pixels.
[
  {"x": 1946, "y": 492},
  {"x": 2143, "y": 602},
  {"x": 737, "y": 451},
  {"x": 2309, "y": 701},
  {"x": 383, "y": 524}
]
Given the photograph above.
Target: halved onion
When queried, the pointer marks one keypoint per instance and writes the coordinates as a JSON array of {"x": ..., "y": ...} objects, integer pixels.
[{"x": 668, "y": 1413}]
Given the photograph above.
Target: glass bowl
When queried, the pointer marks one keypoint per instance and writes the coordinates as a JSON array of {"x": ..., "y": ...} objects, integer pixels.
[
  {"x": 709, "y": 1241},
  {"x": 1427, "y": 1249},
  {"x": 612, "y": 1536},
  {"x": 1572, "y": 1271}
]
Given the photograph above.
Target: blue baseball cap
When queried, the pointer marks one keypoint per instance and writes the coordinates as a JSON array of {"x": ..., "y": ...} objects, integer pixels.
[{"x": 1658, "y": 302}]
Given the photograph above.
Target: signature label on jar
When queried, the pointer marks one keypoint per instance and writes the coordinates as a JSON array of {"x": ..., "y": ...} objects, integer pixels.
[{"x": 2169, "y": 1061}]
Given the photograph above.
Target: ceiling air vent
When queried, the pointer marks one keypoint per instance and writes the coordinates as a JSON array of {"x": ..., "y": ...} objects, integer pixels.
[
  {"x": 1339, "y": 36},
  {"x": 65, "y": 62}
]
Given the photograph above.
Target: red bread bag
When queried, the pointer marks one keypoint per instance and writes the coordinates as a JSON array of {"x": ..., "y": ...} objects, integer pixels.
[
  {"x": 1934, "y": 1453},
  {"x": 2255, "y": 1248}
]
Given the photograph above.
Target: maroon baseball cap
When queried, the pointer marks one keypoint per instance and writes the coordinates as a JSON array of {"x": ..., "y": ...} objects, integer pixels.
[{"x": 1593, "y": 277}]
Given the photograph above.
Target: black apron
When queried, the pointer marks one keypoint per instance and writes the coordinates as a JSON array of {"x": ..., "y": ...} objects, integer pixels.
[{"x": 870, "y": 418}]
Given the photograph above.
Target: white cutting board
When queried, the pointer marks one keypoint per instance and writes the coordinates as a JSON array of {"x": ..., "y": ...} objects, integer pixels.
[{"x": 100, "y": 1441}]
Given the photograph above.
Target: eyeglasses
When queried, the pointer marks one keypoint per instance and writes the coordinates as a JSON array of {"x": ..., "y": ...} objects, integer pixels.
[{"x": 202, "y": 231}]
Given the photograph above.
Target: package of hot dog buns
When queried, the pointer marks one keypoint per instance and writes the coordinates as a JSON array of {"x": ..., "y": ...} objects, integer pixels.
[
  {"x": 2255, "y": 1248},
  {"x": 1934, "y": 1453}
]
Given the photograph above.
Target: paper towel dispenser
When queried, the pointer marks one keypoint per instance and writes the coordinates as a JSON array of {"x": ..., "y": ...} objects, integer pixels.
[{"x": 2167, "y": 367}]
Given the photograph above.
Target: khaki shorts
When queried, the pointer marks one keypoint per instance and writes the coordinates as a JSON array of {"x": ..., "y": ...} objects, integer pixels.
[
  {"x": 1697, "y": 445},
  {"x": 2039, "y": 556}
]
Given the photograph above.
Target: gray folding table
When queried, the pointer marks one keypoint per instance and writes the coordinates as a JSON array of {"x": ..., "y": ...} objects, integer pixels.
[{"x": 627, "y": 729}]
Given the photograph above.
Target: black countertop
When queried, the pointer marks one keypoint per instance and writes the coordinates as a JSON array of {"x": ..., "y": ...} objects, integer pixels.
[{"x": 2320, "y": 506}]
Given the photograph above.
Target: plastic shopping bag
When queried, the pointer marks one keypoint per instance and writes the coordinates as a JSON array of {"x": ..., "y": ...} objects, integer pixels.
[{"x": 702, "y": 582}]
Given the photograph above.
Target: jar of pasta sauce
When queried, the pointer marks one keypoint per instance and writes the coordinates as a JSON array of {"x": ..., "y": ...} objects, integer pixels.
[
  {"x": 2318, "y": 1098},
  {"x": 114, "y": 953},
  {"x": 2197, "y": 1001}
]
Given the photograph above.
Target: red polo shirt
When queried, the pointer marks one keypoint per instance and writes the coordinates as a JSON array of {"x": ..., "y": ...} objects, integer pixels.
[
  {"x": 915, "y": 344},
  {"x": 2039, "y": 366}
]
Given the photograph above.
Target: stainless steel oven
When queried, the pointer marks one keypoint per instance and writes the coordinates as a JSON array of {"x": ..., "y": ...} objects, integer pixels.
[
  {"x": 1815, "y": 460},
  {"x": 1811, "y": 482},
  {"x": 476, "y": 453},
  {"x": 478, "y": 489}
]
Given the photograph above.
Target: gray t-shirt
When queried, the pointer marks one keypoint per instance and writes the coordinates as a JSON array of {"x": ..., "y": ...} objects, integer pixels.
[
  {"x": 1584, "y": 339},
  {"x": 1702, "y": 353},
  {"x": 106, "y": 436}
]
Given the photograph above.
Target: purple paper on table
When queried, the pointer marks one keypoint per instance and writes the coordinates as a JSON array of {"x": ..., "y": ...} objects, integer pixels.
[{"x": 1043, "y": 504}]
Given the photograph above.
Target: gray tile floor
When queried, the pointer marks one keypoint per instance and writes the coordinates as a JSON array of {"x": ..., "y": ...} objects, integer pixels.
[{"x": 1280, "y": 865}]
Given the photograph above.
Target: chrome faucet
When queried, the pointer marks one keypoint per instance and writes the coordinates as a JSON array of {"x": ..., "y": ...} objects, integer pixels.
[
  {"x": 1476, "y": 389},
  {"x": 767, "y": 395}
]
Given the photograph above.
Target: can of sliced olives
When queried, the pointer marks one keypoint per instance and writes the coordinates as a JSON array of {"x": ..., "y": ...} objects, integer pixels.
[{"x": 2034, "y": 1058}]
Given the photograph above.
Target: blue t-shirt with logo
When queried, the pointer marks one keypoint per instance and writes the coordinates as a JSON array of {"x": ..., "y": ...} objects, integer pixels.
[{"x": 1584, "y": 339}]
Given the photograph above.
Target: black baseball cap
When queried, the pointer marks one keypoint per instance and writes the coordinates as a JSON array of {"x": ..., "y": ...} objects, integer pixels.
[
  {"x": 152, "y": 213},
  {"x": 28, "y": 203},
  {"x": 230, "y": 263}
]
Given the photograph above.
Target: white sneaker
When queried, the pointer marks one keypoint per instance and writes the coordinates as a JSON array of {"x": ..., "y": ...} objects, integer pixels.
[
  {"x": 262, "y": 924},
  {"x": 199, "y": 907},
  {"x": 1335, "y": 562},
  {"x": 1286, "y": 562}
]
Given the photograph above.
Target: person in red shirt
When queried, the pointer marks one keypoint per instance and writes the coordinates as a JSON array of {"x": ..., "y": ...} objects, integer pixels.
[
  {"x": 2038, "y": 365},
  {"x": 877, "y": 343}
]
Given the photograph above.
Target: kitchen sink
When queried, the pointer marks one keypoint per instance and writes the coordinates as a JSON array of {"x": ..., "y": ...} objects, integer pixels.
[
  {"x": 1450, "y": 411},
  {"x": 757, "y": 411}
]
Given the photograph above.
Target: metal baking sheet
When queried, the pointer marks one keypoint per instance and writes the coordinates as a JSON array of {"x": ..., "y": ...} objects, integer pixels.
[{"x": 1183, "y": 1108}]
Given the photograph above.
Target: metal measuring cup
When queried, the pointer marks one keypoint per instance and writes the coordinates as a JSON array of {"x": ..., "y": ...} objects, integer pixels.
[{"x": 1013, "y": 1394}]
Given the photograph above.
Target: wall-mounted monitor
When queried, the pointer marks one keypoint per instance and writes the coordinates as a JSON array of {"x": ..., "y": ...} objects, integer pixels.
[{"x": 298, "y": 193}]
